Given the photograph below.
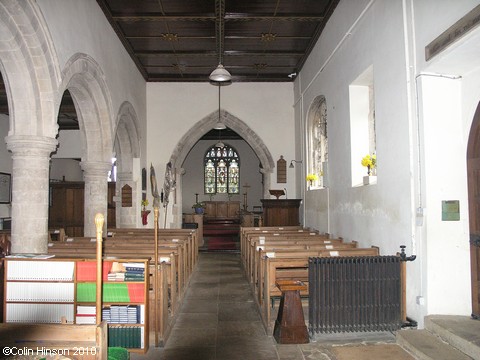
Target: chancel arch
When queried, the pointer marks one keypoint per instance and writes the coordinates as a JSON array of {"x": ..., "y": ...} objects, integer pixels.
[
  {"x": 203, "y": 126},
  {"x": 241, "y": 128}
]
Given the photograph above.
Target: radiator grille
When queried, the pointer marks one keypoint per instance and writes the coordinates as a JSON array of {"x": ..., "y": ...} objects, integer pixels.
[{"x": 352, "y": 294}]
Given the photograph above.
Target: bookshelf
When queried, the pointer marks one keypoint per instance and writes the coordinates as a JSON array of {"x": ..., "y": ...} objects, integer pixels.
[
  {"x": 124, "y": 300},
  {"x": 64, "y": 291}
]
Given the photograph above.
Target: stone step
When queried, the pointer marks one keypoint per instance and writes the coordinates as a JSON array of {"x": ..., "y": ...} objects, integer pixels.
[
  {"x": 462, "y": 332},
  {"x": 426, "y": 346}
]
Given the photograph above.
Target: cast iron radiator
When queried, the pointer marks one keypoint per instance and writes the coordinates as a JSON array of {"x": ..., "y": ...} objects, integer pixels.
[{"x": 351, "y": 294}]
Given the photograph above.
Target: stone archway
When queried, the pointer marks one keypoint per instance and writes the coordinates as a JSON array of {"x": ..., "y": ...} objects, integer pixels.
[
  {"x": 127, "y": 148},
  {"x": 85, "y": 81},
  {"x": 241, "y": 128},
  {"x": 237, "y": 125},
  {"x": 31, "y": 74}
]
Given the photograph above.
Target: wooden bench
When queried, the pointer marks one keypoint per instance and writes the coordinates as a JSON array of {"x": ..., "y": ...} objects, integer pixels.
[
  {"x": 292, "y": 248},
  {"x": 306, "y": 239},
  {"x": 72, "y": 341},
  {"x": 251, "y": 235}
]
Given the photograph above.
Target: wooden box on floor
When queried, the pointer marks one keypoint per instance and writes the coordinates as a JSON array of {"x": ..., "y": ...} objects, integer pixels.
[{"x": 73, "y": 341}]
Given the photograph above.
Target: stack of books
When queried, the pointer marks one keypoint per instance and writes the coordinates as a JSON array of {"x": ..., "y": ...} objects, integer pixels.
[
  {"x": 85, "y": 314},
  {"x": 134, "y": 271},
  {"x": 123, "y": 314}
]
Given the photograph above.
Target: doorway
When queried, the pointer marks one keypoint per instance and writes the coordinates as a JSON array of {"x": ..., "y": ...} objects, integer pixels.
[{"x": 473, "y": 173}]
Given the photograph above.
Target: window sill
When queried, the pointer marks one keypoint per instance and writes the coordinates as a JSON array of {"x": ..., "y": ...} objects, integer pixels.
[{"x": 369, "y": 180}]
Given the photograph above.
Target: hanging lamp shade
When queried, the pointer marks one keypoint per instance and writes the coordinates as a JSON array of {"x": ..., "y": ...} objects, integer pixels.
[
  {"x": 219, "y": 126},
  {"x": 220, "y": 74}
]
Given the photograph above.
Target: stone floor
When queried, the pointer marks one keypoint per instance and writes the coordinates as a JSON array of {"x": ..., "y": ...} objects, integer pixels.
[{"x": 219, "y": 320}]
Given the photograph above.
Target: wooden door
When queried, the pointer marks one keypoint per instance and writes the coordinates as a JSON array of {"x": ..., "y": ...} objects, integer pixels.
[
  {"x": 473, "y": 171},
  {"x": 67, "y": 207}
]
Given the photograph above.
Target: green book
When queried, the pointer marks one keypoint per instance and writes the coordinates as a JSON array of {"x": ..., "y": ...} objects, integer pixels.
[{"x": 118, "y": 292}]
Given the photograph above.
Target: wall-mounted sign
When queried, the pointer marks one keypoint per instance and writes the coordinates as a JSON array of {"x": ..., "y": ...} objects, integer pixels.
[{"x": 450, "y": 210}]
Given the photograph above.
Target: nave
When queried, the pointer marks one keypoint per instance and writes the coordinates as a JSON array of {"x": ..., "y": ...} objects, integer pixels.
[{"x": 219, "y": 320}]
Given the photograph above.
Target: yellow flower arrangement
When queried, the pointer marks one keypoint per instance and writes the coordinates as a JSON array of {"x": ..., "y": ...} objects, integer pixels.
[
  {"x": 312, "y": 177},
  {"x": 370, "y": 162},
  {"x": 144, "y": 204}
]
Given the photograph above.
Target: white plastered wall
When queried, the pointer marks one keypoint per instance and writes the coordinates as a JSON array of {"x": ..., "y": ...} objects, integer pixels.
[
  {"x": 391, "y": 37},
  {"x": 174, "y": 108}
]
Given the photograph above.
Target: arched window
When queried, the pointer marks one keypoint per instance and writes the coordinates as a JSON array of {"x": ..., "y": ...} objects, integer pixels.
[
  {"x": 317, "y": 139},
  {"x": 222, "y": 170}
]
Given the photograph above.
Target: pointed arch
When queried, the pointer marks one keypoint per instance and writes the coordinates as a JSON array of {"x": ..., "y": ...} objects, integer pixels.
[
  {"x": 241, "y": 128},
  {"x": 85, "y": 81}
]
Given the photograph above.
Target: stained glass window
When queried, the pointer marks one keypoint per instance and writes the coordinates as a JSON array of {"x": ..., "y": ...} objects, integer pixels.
[
  {"x": 317, "y": 139},
  {"x": 222, "y": 170}
]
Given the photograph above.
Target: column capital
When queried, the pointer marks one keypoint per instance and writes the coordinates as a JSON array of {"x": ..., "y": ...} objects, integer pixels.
[
  {"x": 96, "y": 168},
  {"x": 28, "y": 145},
  {"x": 124, "y": 176}
]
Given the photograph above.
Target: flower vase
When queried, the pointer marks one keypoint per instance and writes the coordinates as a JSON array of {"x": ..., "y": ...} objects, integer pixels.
[{"x": 199, "y": 210}]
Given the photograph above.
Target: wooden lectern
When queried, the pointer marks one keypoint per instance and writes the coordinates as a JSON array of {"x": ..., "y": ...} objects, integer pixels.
[{"x": 290, "y": 325}]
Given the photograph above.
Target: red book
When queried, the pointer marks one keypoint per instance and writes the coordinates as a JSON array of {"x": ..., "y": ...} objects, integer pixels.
[
  {"x": 87, "y": 270},
  {"x": 136, "y": 292}
]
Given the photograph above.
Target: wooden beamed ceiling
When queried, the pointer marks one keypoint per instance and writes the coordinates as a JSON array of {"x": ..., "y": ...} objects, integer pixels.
[{"x": 184, "y": 41}]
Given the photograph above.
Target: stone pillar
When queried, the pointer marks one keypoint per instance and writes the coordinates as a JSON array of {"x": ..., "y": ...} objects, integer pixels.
[
  {"x": 266, "y": 182},
  {"x": 95, "y": 175},
  {"x": 30, "y": 191},
  {"x": 126, "y": 216}
]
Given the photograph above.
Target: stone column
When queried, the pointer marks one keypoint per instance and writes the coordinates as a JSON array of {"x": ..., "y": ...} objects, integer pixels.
[
  {"x": 126, "y": 216},
  {"x": 95, "y": 175},
  {"x": 30, "y": 191}
]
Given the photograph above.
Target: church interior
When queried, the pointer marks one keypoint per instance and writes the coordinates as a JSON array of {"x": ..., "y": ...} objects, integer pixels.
[{"x": 275, "y": 179}]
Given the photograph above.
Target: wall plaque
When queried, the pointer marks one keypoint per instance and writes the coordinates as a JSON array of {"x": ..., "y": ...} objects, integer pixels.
[{"x": 450, "y": 210}]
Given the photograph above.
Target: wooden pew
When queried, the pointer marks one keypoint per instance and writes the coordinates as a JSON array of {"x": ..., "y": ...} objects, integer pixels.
[
  {"x": 292, "y": 248},
  {"x": 306, "y": 239},
  {"x": 245, "y": 232},
  {"x": 172, "y": 233}
]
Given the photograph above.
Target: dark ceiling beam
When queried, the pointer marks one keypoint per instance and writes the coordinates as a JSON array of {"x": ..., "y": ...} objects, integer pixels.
[
  {"x": 154, "y": 53},
  {"x": 232, "y": 37},
  {"x": 235, "y": 78},
  {"x": 227, "y": 17}
]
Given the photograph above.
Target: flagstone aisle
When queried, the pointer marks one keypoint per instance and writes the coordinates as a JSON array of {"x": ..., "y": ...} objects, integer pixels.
[{"x": 219, "y": 320}]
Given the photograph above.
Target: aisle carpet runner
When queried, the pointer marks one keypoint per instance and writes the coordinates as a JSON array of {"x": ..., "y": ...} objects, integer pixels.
[{"x": 219, "y": 243}]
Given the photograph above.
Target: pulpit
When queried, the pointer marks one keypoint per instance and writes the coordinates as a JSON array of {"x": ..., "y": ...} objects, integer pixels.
[{"x": 281, "y": 212}]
